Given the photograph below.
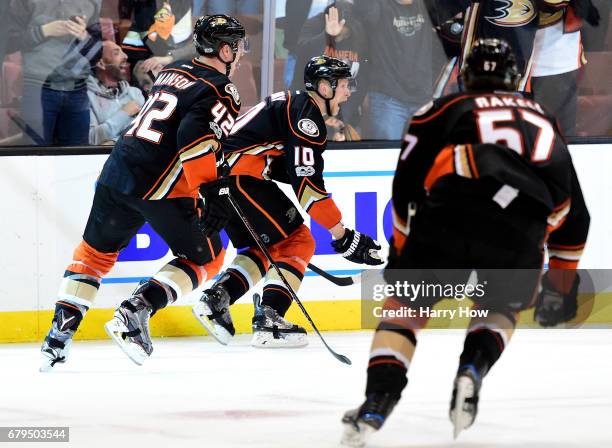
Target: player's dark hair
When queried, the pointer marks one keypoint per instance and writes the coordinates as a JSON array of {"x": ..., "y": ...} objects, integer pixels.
[{"x": 491, "y": 65}]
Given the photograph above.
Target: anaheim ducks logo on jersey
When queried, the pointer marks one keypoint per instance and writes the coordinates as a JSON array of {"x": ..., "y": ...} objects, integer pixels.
[
  {"x": 513, "y": 13},
  {"x": 233, "y": 91}
]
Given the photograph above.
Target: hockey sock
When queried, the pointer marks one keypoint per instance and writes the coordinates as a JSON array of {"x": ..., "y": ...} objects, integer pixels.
[
  {"x": 481, "y": 349},
  {"x": 389, "y": 360},
  {"x": 275, "y": 293},
  {"x": 277, "y": 298},
  {"x": 387, "y": 374},
  {"x": 244, "y": 272},
  {"x": 235, "y": 284},
  {"x": 83, "y": 276},
  {"x": 157, "y": 294},
  {"x": 176, "y": 279},
  {"x": 66, "y": 320}
]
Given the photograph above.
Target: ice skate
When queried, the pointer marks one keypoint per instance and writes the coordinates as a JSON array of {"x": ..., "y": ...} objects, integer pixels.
[
  {"x": 212, "y": 311},
  {"x": 361, "y": 423},
  {"x": 129, "y": 328},
  {"x": 273, "y": 331},
  {"x": 464, "y": 404},
  {"x": 56, "y": 345}
]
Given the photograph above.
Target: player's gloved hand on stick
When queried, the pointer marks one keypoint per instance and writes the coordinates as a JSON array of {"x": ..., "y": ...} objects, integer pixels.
[
  {"x": 553, "y": 305},
  {"x": 358, "y": 248},
  {"x": 217, "y": 209}
]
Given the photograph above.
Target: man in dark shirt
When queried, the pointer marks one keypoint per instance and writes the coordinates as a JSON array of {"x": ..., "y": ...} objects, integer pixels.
[{"x": 400, "y": 47}]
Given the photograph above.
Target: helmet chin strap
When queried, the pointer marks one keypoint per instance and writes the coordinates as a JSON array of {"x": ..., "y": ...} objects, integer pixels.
[
  {"x": 228, "y": 65},
  {"x": 327, "y": 100}
]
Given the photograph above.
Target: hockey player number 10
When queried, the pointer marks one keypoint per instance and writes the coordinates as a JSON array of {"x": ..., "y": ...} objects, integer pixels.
[
  {"x": 491, "y": 132},
  {"x": 304, "y": 156},
  {"x": 141, "y": 125}
]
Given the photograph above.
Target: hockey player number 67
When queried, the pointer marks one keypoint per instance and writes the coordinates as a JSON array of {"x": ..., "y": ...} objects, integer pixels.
[{"x": 491, "y": 132}]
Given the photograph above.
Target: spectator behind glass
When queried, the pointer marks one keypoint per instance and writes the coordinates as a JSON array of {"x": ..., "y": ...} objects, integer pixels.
[
  {"x": 113, "y": 101},
  {"x": 336, "y": 32},
  {"x": 160, "y": 33},
  {"x": 296, "y": 14},
  {"x": 400, "y": 47},
  {"x": 59, "y": 40},
  {"x": 557, "y": 57},
  {"x": 250, "y": 14}
]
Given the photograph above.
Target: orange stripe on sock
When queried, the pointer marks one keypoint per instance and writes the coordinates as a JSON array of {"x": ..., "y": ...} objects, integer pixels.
[{"x": 386, "y": 361}]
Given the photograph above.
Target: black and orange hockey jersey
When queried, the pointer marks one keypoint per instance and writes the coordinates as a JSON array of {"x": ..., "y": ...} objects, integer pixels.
[
  {"x": 173, "y": 145},
  {"x": 502, "y": 137},
  {"x": 285, "y": 133}
]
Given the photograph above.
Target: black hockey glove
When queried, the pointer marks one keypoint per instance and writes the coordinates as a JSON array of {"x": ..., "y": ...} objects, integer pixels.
[
  {"x": 217, "y": 209},
  {"x": 358, "y": 248},
  {"x": 585, "y": 10},
  {"x": 553, "y": 307}
]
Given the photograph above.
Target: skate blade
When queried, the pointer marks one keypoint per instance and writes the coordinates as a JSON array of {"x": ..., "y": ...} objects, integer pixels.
[
  {"x": 356, "y": 436},
  {"x": 216, "y": 331},
  {"x": 459, "y": 417},
  {"x": 265, "y": 339},
  {"x": 115, "y": 329},
  {"x": 48, "y": 364}
]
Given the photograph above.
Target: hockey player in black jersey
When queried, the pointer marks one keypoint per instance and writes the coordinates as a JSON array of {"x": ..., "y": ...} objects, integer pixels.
[
  {"x": 168, "y": 154},
  {"x": 282, "y": 138},
  {"x": 483, "y": 182}
]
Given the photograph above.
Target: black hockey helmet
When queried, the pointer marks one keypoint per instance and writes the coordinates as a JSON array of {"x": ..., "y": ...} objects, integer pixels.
[
  {"x": 490, "y": 65},
  {"x": 212, "y": 32},
  {"x": 325, "y": 67}
]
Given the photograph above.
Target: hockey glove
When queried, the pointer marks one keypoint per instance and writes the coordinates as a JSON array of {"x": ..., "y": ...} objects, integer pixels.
[
  {"x": 358, "y": 248},
  {"x": 216, "y": 212},
  {"x": 553, "y": 306}
]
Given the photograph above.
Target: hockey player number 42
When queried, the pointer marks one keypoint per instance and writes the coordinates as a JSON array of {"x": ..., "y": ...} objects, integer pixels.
[
  {"x": 219, "y": 111},
  {"x": 491, "y": 132},
  {"x": 141, "y": 125}
]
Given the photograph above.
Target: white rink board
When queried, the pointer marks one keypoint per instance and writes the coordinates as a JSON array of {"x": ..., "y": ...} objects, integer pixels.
[{"x": 46, "y": 201}]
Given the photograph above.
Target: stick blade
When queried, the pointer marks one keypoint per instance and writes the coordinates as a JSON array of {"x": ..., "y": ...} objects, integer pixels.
[{"x": 343, "y": 359}]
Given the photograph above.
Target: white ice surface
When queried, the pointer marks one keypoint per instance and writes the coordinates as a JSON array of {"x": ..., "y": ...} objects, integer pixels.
[{"x": 551, "y": 389}]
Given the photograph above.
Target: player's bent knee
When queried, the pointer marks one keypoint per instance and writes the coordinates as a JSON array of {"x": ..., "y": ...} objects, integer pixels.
[
  {"x": 214, "y": 267},
  {"x": 302, "y": 243}
]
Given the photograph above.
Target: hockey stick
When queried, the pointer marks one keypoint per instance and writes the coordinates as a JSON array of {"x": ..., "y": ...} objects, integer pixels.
[
  {"x": 294, "y": 296},
  {"x": 340, "y": 281}
]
